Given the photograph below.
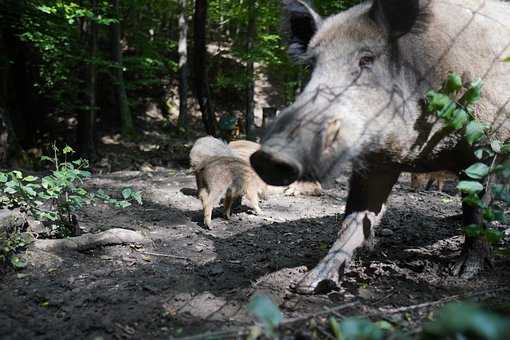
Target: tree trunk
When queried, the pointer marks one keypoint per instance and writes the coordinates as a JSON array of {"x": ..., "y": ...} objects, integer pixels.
[
  {"x": 9, "y": 146},
  {"x": 200, "y": 66},
  {"x": 250, "y": 70},
  {"x": 126, "y": 120},
  {"x": 183, "y": 66},
  {"x": 21, "y": 100},
  {"x": 87, "y": 115}
]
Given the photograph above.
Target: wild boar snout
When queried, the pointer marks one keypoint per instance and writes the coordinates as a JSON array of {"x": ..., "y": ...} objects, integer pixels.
[{"x": 275, "y": 168}]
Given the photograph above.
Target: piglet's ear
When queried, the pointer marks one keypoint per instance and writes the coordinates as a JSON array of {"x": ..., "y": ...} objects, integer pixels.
[
  {"x": 302, "y": 22},
  {"x": 398, "y": 17}
]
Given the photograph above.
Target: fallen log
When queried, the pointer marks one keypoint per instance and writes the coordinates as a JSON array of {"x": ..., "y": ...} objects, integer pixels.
[{"x": 85, "y": 242}]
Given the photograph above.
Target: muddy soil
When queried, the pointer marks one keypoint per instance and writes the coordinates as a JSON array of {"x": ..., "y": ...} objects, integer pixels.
[{"x": 189, "y": 280}]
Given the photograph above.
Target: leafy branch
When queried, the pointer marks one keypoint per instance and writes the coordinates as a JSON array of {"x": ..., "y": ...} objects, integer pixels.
[
  {"x": 454, "y": 104},
  {"x": 55, "y": 198}
]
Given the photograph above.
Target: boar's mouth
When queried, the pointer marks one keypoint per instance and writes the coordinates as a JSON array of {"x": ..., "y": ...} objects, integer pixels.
[{"x": 275, "y": 168}]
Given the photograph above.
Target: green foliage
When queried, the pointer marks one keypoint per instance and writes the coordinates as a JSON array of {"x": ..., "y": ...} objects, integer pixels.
[
  {"x": 356, "y": 329},
  {"x": 454, "y": 321},
  {"x": 461, "y": 321},
  {"x": 268, "y": 314},
  {"x": 11, "y": 243},
  {"x": 56, "y": 197},
  {"x": 455, "y": 106},
  {"x": 52, "y": 28},
  {"x": 57, "y": 33}
]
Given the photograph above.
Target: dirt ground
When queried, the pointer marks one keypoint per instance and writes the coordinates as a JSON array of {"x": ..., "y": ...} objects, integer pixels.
[{"x": 190, "y": 280}]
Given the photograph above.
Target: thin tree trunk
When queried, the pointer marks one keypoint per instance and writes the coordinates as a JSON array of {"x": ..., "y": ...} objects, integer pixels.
[
  {"x": 22, "y": 101},
  {"x": 87, "y": 116},
  {"x": 250, "y": 71},
  {"x": 200, "y": 67},
  {"x": 183, "y": 66},
  {"x": 10, "y": 149},
  {"x": 9, "y": 146},
  {"x": 126, "y": 120}
]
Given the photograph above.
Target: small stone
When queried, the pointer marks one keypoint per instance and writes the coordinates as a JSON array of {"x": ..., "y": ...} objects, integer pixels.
[
  {"x": 387, "y": 232},
  {"x": 216, "y": 269}
]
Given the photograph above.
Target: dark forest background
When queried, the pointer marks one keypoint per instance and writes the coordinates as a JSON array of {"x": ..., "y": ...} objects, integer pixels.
[{"x": 73, "y": 71}]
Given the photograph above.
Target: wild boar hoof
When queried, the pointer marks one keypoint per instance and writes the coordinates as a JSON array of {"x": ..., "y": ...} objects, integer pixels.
[{"x": 318, "y": 281}]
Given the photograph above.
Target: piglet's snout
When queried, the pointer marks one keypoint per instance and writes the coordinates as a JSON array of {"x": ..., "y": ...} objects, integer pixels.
[{"x": 275, "y": 168}]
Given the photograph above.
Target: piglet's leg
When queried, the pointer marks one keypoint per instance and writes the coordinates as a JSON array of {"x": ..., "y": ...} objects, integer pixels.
[{"x": 365, "y": 207}]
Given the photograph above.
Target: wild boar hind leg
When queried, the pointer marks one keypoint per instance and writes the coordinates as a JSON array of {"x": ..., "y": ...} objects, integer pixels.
[{"x": 365, "y": 206}]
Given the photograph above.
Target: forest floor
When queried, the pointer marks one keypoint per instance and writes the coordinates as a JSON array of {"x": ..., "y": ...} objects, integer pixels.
[{"x": 189, "y": 280}]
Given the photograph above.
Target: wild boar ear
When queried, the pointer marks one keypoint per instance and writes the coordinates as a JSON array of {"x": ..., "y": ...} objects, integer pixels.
[
  {"x": 302, "y": 22},
  {"x": 397, "y": 16}
]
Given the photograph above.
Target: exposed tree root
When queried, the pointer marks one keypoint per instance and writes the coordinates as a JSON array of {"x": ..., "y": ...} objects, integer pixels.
[{"x": 91, "y": 241}]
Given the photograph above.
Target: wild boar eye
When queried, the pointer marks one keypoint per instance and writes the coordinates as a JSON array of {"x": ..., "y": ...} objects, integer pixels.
[{"x": 366, "y": 61}]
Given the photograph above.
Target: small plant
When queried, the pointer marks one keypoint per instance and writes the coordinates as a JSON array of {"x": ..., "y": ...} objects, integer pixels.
[
  {"x": 463, "y": 321},
  {"x": 453, "y": 321},
  {"x": 267, "y": 313},
  {"x": 11, "y": 243},
  {"x": 55, "y": 198},
  {"x": 355, "y": 328},
  {"x": 455, "y": 105}
]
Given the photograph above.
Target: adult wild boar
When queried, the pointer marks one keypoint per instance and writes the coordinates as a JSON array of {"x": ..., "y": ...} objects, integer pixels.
[{"x": 364, "y": 104}]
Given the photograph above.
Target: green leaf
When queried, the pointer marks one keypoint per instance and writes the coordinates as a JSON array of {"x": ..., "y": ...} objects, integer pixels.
[
  {"x": 453, "y": 84},
  {"x": 463, "y": 321},
  {"x": 473, "y": 200},
  {"x": 137, "y": 197},
  {"x": 482, "y": 152},
  {"x": 85, "y": 174},
  {"x": 473, "y": 230},
  {"x": 501, "y": 192},
  {"x": 470, "y": 187},
  {"x": 489, "y": 215},
  {"x": 30, "y": 179},
  {"x": 30, "y": 191},
  {"x": 473, "y": 94},
  {"x": 505, "y": 148},
  {"x": 10, "y": 190},
  {"x": 353, "y": 328},
  {"x": 477, "y": 171},
  {"x": 504, "y": 169},
  {"x": 385, "y": 325},
  {"x": 17, "y": 262},
  {"x": 335, "y": 328},
  {"x": 266, "y": 312},
  {"x": 3, "y": 177},
  {"x": 507, "y": 60},
  {"x": 126, "y": 193},
  {"x": 12, "y": 184},
  {"x": 45, "y": 9},
  {"x": 18, "y": 174},
  {"x": 496, "y": 146},
  {"x": 493, "y": 235},
  {"x": 436, "y": 101},
  {"x": 447, "y": 111},
  {"x": 460, "y": 118},
  {"x": 474, "y": 132},
  {"x": 123, "y": 204},
  {"x": 67, "y": 149},
  {"x": 46, "y": 158}
]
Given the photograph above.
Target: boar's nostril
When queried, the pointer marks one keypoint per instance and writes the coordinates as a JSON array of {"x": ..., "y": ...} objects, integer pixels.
[{"x": 275, "y": 168}]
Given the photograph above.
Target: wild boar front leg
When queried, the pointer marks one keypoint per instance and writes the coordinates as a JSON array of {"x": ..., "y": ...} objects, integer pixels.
[{"x": 365, "y": 206}]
